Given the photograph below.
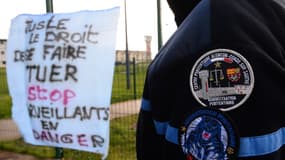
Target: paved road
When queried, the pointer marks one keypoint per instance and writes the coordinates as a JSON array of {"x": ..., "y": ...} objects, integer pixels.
[{"x": 9, "y": 130}]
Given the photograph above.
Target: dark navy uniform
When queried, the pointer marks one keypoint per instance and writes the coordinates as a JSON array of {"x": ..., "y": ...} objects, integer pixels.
[{"x": 216, "y": 88}]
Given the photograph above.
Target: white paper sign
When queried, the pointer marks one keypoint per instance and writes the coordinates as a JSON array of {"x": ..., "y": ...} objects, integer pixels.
[{"x": 60, "y": 71}]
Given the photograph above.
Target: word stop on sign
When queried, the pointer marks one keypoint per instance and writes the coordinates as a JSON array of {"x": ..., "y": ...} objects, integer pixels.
[{"x": 38, "y": 93}]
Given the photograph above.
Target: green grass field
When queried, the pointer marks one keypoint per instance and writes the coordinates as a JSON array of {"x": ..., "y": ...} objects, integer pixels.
[{"x": 5, "y": 99}]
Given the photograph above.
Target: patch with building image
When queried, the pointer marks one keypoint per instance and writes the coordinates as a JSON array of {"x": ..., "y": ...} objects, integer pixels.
[{"x": 222, "y": 79}]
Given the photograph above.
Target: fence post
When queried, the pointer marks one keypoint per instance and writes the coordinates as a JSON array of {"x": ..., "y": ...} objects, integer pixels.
[
  {"x": 127, "y": 48},
  {"x": 134, "y": 78},
  {"x": 159, "y": 32},
  {"x": 49, "y": 6},
  {"x": 58, "y": 151}
]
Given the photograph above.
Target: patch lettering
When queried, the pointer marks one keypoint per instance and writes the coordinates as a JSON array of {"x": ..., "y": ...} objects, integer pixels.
[{"x": 221, "y": 79}]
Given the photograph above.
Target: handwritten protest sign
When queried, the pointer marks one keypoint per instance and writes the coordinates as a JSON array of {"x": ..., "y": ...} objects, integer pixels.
[{"x": 60, "y": 71}]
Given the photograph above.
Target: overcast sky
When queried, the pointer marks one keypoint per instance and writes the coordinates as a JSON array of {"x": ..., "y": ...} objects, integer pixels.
[{"x": 142, "y": 18}]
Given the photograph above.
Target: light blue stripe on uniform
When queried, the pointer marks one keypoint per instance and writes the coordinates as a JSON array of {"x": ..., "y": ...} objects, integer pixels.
[
  {"x": 160, "y": 127},
  {"x": 145, "y": 105},
  {"x": 163, "y": 128},
  {"x": 260, "y": 145},
  {"x": 170, "y": 131},
  {"x": 249, "y": 146}
]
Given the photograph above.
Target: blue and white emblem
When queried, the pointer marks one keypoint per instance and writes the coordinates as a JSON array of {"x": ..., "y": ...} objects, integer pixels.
[
  {"x": 221, "y": 79},
  {"x": 208, "y": 135}
]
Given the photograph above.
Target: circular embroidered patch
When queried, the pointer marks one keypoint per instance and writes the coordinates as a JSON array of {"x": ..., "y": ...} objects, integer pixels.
[
  {"x": 221, "y": 79},
  {"x": 209, "y": 134}
]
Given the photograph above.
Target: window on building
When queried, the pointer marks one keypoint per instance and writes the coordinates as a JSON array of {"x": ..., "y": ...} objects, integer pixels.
[
  {"x": 2, "y": 52},
  {"x": 4, "y": 62}
]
